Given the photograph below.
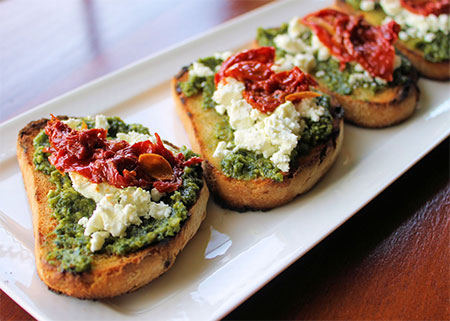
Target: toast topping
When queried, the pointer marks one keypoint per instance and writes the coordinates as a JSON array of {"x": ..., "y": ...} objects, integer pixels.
[
  {"x": 250, "y": 143},
  {"x": 265, "y": 89},
  {"x": 91, "y": 217},
  {"x": 274, "y": 135},
  {"x": 297, "y": 45},
  {"x": 264, "y": 107},
  {"x": 116, "y": 209},
  {"x": 352, "y": 39},
  {"x": 115, "y": 162}
]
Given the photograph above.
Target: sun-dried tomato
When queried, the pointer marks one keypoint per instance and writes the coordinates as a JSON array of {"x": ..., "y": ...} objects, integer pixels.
[
  {"x": 89, "y": 153},
  {"x": 427, "y": 7},
  {"x": 352, "y": 39},
  {"x": 264, "y": 89}
]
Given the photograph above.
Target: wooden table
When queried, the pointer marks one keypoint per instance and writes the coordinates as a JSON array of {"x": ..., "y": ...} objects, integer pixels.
[{"x": 390, "y": 261}]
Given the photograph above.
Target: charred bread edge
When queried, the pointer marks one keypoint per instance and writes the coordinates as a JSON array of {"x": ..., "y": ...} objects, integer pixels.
[
  {"x": 428, "y": 69},
  {"x": 110, "y": 275},
  {"x": 260, "y": 194}
]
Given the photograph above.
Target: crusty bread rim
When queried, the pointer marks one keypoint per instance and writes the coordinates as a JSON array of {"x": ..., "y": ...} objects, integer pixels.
[
  {"x": 433, "y": 70},
  {"x": 110, "y": 275},
  {"x": 259, "y": 194}
]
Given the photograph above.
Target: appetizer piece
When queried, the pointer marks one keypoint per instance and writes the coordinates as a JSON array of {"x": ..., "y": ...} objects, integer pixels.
[
  {"x": 112, "y": 205},
  {"x": 350, "y": 60},
  {"x": 424, "y": 37},
  {"x": 265, "y": 136}
]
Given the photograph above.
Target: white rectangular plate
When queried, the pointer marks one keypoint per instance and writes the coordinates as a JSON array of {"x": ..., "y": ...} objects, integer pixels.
[{"x": 233, "y": 255}]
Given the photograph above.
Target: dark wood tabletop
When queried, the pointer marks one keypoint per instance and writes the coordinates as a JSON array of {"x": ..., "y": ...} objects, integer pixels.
[{"x": 388, "y": 262}]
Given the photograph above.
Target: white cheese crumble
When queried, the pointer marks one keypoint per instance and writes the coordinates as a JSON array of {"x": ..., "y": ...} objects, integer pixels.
[
  {"x": 305, "y": 62},
  {"x": 156, "y": 195},
  {"x": 101, "y": 122},
  {"x": 295, "y": 29},
  {"x": 273, "y": 135},
  {"x": 221, "y": 150},
  {"x": 415, "y": 26},
  {"x": 367, "y": 5},
  {"x": 224, "y": 55},
  {"x": 74, "y": 123},
  {"x": 200, "y": 70},
  {"x": 135, "y": 137},
  {"x": 116, "y": 209},
  {"x": 309, "y": 109},
  {"x": 320, "y": 73},
  {"x": 97, "y": 240},
  {"x": 299, "y": 53}
]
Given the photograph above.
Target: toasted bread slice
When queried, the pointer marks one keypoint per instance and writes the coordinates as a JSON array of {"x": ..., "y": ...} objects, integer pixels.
[
  {"x": 110, "y": 275},
  {"x": 255, "y": 194},
  {"x": 428, "y": 69}
]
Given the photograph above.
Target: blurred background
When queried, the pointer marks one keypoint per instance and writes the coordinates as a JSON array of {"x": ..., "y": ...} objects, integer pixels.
[{"x": 50, "y": 47}]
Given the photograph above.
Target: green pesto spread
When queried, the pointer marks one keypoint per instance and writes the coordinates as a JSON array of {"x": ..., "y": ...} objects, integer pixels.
[
  {"x": 265, "y": 37},
  {"x": 338, "y": 81},
  {"x": 245, "y": 165},
  {"x": 71, "y": 247},
  {"x": 435, "y": 51},
  {"x": 205, "y": 85},
  {"x": 328, "y": 72},
  {"x": 356, "y": 4}
]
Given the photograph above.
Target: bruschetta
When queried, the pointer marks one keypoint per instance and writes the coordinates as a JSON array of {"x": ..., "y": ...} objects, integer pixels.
[
  {"x": 112, "y": 205},
  {"x": 265, "y": 136}
]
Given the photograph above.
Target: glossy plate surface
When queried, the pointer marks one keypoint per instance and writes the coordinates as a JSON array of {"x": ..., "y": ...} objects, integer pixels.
[{"x": 234, "y": 254}]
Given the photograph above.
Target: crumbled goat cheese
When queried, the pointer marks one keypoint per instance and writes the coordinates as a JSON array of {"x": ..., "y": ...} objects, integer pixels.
[
  {"x": 101, "y": 122},
  {"x": 367, "y": 5},
  {"x": 299, "y": 53},
  {"x": 97, "y": 240},
  {"x": 116, "y": 209},
  {"x": 156, "y": 195},
  {"x": 309, "y": 109},
  {"x": 134, "y": 137},
  {"x": 415, "y": 25},
  {"x": 221, "y": 150},
  {"x": 224, "y": 55},
  {"x": 200, "y": 70},
  {"x": 74, "y": 123},
  {"x": 273, "y": 135}
]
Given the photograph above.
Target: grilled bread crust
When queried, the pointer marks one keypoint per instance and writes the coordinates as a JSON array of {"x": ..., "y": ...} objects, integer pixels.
[
  {"x": 255, "y": 194},
  {"x": 111, "y": 275},
  {"x": 428, "y": 69}
]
